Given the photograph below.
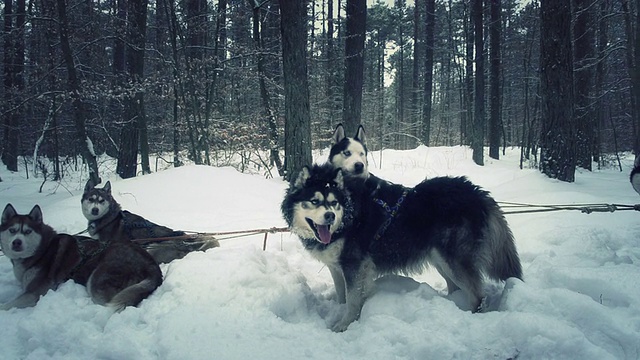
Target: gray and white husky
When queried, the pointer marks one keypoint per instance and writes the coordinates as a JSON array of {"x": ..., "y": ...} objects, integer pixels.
[
  {"x": 116, "y": 273},
  {"x": 634, "y": 176},
  {"x": 362, "y": 227},
  {"x": 106, "y": 219}
]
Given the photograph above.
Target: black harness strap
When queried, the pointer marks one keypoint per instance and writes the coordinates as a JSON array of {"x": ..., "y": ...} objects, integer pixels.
[{"x": 390, "y": 212}]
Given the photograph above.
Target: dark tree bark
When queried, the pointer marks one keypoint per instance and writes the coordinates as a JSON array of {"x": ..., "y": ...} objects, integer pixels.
[
  {"x": 14, "y": 80},
  {"x": 418, "y": 45},
  {"x": 477, "y": 139},
  {"x": 466, "y": 124},
  {"x": 297, "y": 128},
  {"x": 494, "y": 119},
  {"x": 10, "y": 135},
  {"x": 430, "y": 24},
  {"x": 333, "y": 105},
  {"x": 584, "y": 37},
  {"x": 269, "y": 115},
  {"x": 354, "y": 64},
  {"x": 633, "y": 62},
  {"x": 83, "y": 142},
  {"x": 134, "y": 132},
  {"x": 557, "y": 140}
]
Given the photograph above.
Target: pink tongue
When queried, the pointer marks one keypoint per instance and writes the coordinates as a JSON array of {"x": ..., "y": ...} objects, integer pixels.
[{"x": 325, "y": 235}]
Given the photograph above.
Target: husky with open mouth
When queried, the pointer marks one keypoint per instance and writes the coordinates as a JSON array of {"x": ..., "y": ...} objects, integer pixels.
[{"x": 377, "y": 228}]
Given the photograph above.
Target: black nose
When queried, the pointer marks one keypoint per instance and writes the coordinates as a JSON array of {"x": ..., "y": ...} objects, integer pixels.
[
  {"x": 94, "y": 211},
  {"x": 329, "y": 217},
  {"x": 16, "y": 245},
  {"x": 358, "y": 167}
]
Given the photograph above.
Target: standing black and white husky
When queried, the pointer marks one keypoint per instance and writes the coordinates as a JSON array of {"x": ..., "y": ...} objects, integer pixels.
[
  {"x": 447, "y": 222},
  {"x": 107, "y": 219}
]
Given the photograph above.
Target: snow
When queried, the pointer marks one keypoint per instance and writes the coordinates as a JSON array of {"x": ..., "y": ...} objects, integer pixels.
[{"x": 580, "y": 298}]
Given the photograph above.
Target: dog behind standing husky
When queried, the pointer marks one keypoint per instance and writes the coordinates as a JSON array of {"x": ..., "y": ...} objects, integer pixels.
[
  {"x": 106, "y": 218},
  {"x": 116, "y": 273},
  {"x": 446, "y": 222},
  {"x": 634, "y": 176}
]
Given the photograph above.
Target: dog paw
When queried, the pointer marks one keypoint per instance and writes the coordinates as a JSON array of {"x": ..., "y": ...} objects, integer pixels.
[{"x": 342, "y": 324}]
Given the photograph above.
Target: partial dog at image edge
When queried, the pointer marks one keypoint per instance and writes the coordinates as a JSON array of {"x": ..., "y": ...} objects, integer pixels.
[
  {"x": 362, "y": 227},
  {"x": 116, "y": 273},
  {"x": 107, "y": 219},
  {"x": 634, "y": 176}
]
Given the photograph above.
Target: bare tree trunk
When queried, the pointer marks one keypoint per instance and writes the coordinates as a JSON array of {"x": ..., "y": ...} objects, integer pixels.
[
  {"x": 297, "y": 129},
  {"x": 418, "y": 45},
  {"x": 467, "y": 123},
  {"x": 430, "y": 28},
  {"x": 583, "y": 35},
  {"x": 494, "y": 119},
  {"x": 477, "y": 140},
  {"x": 134, "y": 132},
  {"x": 10, "y": 136},
  {"x": 557, "y": 140},
  {"x": 79, "y": 113},
  {"x": 354, "y": 69},
  {"x": 274, "y": 155}
]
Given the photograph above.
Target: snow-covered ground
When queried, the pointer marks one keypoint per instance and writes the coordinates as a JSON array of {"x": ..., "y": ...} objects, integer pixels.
[{"x": 580, "y": 298}]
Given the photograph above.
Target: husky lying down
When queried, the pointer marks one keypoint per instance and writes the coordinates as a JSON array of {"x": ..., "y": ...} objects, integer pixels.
[
  {"x": 107, "y": 219},
  {"x": 117, "y": 273}
]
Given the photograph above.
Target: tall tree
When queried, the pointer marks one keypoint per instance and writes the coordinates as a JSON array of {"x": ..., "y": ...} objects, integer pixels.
[
  {"x": 557, "y": 139},
  {"x": 416, "y": 89},
  {"x": 583, "y": 44},
  {"x": 10, "y": 143},
  {"x": 297, "y": 128},
  {"x": 477, "y": 139},
  {"x": 14, "y": 60},
  {"x": 494, "y": 119},
  {"x": 356, "y": 26},
  {"x": 134, "y": 132},
  {"x": 84, "y": 144},
  {"x": 269, "y": 114},
  {"x": 430, "y": 25}
]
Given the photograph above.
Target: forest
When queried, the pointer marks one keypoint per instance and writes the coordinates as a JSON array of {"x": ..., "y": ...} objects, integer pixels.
[{"x": 262, "y": 83}]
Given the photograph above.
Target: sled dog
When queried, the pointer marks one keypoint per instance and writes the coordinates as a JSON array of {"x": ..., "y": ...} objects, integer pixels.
[
  {"x": 446, "y": 222},
  {"x": 634, "y": 176},
  {"x": 116, "y": 273},
  {"x": 107, "y": 219}
]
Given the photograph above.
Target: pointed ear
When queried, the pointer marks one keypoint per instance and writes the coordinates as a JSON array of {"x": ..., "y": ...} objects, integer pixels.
[
  {"x": 107, "y": 187},
  {"x": 360, "y": 134},
  {"x": 303, "y": 176},
  {"x": 8, "y": 213},
  {"x": 36, "y": 214},
  {"x": 339, "y": 179},
  {"x": 338, "y": 134},
  {"x": 89, "y": 185}
]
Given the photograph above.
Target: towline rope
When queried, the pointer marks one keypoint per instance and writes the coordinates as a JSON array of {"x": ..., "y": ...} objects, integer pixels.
[
  {"x": 521, "y": 208},
  {"x": 227, "y": 235}
]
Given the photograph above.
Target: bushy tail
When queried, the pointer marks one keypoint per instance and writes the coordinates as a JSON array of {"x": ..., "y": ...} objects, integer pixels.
[
  {"x": 133, "y": 294},
  {"x": 503, "y": 261}
]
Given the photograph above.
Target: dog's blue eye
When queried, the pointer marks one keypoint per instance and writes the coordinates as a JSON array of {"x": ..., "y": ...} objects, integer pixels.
[
  {"x": 27, "y": 232},
  {"x": 314, "y": 202},
  {"x": 346, "y": 153},
  {"x": 13, "y": 231},
  {"x": 333, "y": 203}
]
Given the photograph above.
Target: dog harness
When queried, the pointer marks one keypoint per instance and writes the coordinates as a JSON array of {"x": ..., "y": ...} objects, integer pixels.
[{"x": 391, "y": 212}]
